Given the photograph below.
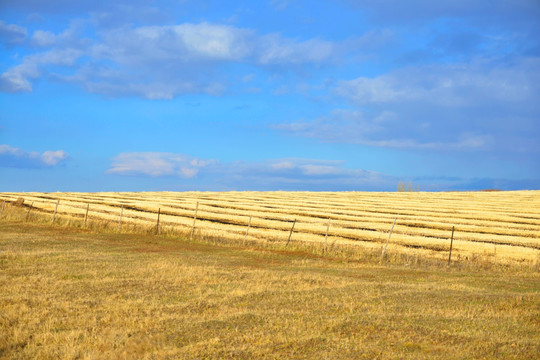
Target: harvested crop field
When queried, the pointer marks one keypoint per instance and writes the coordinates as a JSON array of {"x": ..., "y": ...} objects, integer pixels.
[{"x": 500, "y": 226}]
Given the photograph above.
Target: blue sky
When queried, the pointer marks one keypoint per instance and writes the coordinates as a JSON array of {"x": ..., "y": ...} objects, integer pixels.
[{"x": 269, "y": 95}]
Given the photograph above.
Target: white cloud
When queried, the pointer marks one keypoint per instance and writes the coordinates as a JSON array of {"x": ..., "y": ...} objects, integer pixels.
[
  {"x": 189, "y": 172},
  {"x": 157, "y": 62},
  {"x": 17, "y": 78},
  {"x": 283, "y": 165},
  {"x": 12, "y": 34},
  {"x": 52, "y": 158},
  {"x": 297, "y": 174},
  {"x": 278, "y": 173},
  {"x": 43, "y": 38},
  {"x": 463, "y": 142},
  {"x": 456, "y": 85},
  {"x": 483, "y": 105},
  {"x": 385, "y": 129},
  {"x": 310, "y": 169},
  {"x": 275, "y": 49},
  {"x": 339, "y": 126},
  {"x": 157, "y": 164},
  {"x": 18, "y": 158},
  {"x": 184, "y": 43}
]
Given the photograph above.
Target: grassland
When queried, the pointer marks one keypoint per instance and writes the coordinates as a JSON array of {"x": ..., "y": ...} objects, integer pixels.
[
  {"x": 79, "y": 294},
  {"x": 503, "y": 227}
]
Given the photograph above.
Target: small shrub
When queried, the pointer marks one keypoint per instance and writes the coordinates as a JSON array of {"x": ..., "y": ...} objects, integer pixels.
[{"x": 409, "y": 188}]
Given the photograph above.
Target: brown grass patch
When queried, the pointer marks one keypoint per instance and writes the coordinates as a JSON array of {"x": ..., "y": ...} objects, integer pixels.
[{"x": 68, "y": 293}]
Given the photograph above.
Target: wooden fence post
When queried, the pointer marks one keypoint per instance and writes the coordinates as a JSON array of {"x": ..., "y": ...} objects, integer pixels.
[
  {"x": 326, "y": 235},
  {"x": 247, "y": 230},
  {"x": 86, "y": 215},
  {"x": 388, "y": 240},
  {"x": 55, "y": 209},
  {"x": 451, "y": 243},
  {"x": 120, "y": 219},
  {"x": 28, "y": 212},
  {"x": 3, "y": 205},
  {"x": 194, "y": 219},
  {"x": 290, "y": 234},
  {"x": 157, "y": 223}
]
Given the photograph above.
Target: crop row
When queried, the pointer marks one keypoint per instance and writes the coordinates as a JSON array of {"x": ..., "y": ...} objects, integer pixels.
[{"x": 508, "y": 220}]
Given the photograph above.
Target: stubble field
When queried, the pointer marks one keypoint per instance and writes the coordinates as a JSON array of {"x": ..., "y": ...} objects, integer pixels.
[
  {"x": 101, "y": 288},
  {"x": 503, "y": 227}
]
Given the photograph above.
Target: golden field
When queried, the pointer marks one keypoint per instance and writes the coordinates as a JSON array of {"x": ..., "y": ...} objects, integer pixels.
[
  {"x": 503, "y": 227},
  {"x": 68, "y": 293}
]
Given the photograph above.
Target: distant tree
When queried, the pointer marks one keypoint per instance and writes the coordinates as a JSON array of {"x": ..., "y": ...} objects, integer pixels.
[{"x": 401, "y": 187}]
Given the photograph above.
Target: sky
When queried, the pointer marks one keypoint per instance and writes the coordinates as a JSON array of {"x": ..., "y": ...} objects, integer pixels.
[{"x": 342, "y": 95}]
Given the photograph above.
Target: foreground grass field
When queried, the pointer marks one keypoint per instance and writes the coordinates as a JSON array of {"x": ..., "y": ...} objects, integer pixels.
[{"x": 68, "y": 293}]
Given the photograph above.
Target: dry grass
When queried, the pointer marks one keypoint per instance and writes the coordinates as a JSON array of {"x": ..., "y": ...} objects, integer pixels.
[
  {"x": 69, "y": 293},
  {"x": 501, "y": 226}
]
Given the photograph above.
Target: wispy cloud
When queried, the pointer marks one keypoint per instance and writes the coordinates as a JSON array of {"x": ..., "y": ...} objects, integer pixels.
[
  {"x": 275, "y": 50},
  {"x": 17, "y": 158},
  {"x": 11, "y": 34},
  {"x": 364, "y": 128},
  {"x": 457, "y": 85},
  {"x": 18, "y": 78},
  {"x": 189, "y": 172},
  {"x": 289, "y": 173},
  {"x": 157, "y": 164},
  {"x": 43, "y": 38},
  {"x": 470, "y": 106},
  {"x": 157, "y": 62}
]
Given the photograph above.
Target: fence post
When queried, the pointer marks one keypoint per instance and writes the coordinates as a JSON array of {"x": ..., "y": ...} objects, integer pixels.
[
  {"x": 120, "y": 219},
  {"x": 326, "y": 235},
  {"x": 86, "y": 215},
  {"x": 451, "y": 243},
  {"x": 3, "y": 205},
  {"x": 387, "y": 240},
  {"x": 55, "y": 209},
  {"x": 157, "y": 223},
  {"x": 290, "y": 234},
  {"x": 194, "y": 219},
  {"x": 28, "y": 212},
  {"x": 247, "y": 230}
]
